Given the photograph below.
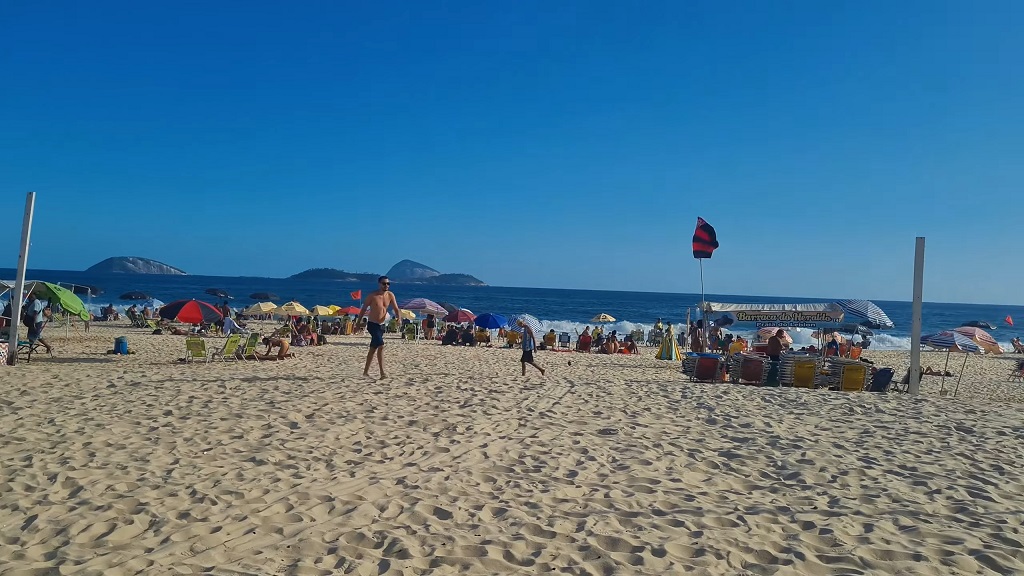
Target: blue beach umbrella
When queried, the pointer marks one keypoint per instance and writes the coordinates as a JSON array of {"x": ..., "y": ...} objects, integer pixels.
[
  {"x": 857, "y": 310},
  {"x": 533, "y": 323},
  {"x": 490, "y": 321}
]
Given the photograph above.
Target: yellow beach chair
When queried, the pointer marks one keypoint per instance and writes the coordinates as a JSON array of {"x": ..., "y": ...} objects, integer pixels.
[
  {"x": 195, "y": 349},
  {"x": 853, "y": 378},
  {"x": 228, "y": 351},
  {"x": 803, "y": 374}
]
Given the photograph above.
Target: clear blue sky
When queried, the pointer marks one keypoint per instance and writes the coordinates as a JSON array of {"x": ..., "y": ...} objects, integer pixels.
[{"x": 568, "y": 144}]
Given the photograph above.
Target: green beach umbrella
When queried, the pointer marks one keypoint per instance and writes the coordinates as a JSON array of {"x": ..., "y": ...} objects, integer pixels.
[{"x": 67, "y": 299}]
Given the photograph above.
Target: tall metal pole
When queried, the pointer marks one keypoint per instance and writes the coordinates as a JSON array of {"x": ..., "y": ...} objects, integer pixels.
[
  {"x": 703, "y": 309},
  {"x": 915, "y": 322},
  {"x": 19, "y": 281}
]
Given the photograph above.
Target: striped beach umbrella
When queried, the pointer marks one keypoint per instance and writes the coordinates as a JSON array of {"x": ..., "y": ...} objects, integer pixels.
[
  {"x": 533, "y": 323},
  {"x": 950, "y": 340},
  {"x": 856, "y": 310},
  {"x": 981, "y": 338},
  {"x": 423, "y": 306}
]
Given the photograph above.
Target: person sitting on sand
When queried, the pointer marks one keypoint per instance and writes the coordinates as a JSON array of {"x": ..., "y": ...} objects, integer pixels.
[
  {"x": 1018, "y": 348},
  {"x": 280, "y": 344},
  {"x": 451, "y": 336},
  {"x": 583, "y": 341},
  {"x": 550, "y": 338},
  {"x": 466, "y": 337},
  {"x": 628, "y": 345},
  {"x": 611, "y": 344}
]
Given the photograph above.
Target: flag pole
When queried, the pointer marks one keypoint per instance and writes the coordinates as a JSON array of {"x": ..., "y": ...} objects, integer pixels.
[
  {"x": 703, "y": 308},
  {"x": 17, "y": 295}
]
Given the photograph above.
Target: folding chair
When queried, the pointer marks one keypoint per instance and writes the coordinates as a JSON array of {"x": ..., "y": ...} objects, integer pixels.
[
  {"x": 881, "y": 380},
  {"x": 249, "y": 349},
  {"x": 1017, "y": 374},
  {"x": 228, "y": 351},
  {"x": 195, "y": 349},
  {"x": 564, "y": 340}
]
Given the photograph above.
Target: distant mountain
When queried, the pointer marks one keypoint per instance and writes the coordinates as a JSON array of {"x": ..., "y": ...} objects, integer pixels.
[
  {"x": 406, "y": 272},
  {"x": 453, "y": 280},
  {"x": 409, "y": 271},
  {"x": 334, "y": 274},
  {"x": 133, "y": 265}
]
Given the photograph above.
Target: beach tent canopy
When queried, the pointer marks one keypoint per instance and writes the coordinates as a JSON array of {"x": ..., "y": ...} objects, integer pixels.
[{"x": 816, "y": 315}]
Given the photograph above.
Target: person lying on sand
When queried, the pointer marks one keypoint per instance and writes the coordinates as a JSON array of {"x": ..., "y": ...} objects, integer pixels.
[
  {"x": 928, "y": 370},
  {"x": 281, "y": 345}
]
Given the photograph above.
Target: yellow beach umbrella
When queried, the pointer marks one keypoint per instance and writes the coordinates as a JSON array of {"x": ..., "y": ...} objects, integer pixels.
[
  {"x": 408, "y": 314},
  {"x": 334, "y": 308},
  {"x": 602, "y": 318},
  {"x": 291, "y": 309},
  {"x": 319, "y": 310},
  {"x": 260, "y": 308}
]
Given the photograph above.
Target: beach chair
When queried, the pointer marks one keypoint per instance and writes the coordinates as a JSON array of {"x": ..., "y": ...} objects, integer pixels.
[
  {"x": 195, "y": 349},
  {"x": 1017, "y": 374},
  {"x": 228, "y": 351},
  {"x": 248, "y": 351},
  {"x": 564, "y": 340},
  {"x": 753, "y": 369},
  {"x": 26, "y": 349},
  {"x": 707, "y": 368},
  {"x": 881, "y": 381},
  {"x": 654, "y": 337},
  {"x": 803, "y": 374},
  {"x": 853, "y": 378},
  {"x": 153, "y": 323},
  {"x": 513, "y": 338},
  {"x": 638, "y": 337}
]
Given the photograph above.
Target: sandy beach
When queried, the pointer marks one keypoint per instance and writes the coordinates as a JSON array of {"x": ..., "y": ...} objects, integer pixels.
[{"x": 458, "y": 465}]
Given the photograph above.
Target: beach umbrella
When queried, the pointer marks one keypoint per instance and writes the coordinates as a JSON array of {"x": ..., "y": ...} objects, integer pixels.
[
  {"x": 602, "y": 317},
  {"x": 319, "y": 310},
  {"x": 190, "y": 312},
  {"x": 86, "y": 290},
  {"x": 460, "y": 316},
  {"x": 68, "y": 300},
  {"x": 851, "y": 329},
  {"x": 981, "y": 338},
  {"x": 857, "y": 310},
  {"x": 978, "y": 324},
  {"x": 533, "y": 323},
  {"x": 490, "y": 321},
  {"x": 263, "y": 296},
  {"x": 153, "y": 303},
  {"x": 260, "y": 308},
  {"x": 424, "y": 306},
  {"x": 408, "y": 315},
  {"x": 347, "y": 310},
  {"x": 291, "y": 309},
  {"x": 449, "y": 307},
  {"x": 766, "y": 333},
  {"x": 134, "y": 295},
  {"x": 219, "y": 293},
  {"x": 950, "y": 341}
]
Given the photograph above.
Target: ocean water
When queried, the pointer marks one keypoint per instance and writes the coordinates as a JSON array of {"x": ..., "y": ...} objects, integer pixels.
[{"x": 562, "y": 310}]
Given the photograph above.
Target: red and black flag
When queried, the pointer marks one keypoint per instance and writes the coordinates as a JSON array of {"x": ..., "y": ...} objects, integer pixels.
[{"x": 704, "y": 239}]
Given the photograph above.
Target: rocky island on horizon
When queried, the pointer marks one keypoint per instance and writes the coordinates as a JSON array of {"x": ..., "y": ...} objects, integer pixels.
[
  {"x": 133, "y": 265},
  {"x": 406, "y": 272}
]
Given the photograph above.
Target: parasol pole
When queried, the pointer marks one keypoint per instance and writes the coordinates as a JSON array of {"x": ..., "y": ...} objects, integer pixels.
[
  {"x": 961, "y": 377},
  {"x": 703, "y": 308},
  {"x": 19, "y": 281},
  {"x": 942, "y": 385}
]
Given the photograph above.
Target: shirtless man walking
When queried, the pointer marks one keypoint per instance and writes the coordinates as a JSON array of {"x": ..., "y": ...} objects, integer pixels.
[{"x": 375, "y": 308}]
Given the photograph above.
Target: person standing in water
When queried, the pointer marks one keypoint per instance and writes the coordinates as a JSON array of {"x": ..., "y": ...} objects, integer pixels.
[
  {"x": 529, "y": 345},
  {"x": 375, "y": 308}
]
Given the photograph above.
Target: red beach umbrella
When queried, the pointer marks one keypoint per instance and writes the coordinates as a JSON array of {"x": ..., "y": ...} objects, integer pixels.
[
  {"x": 190, "y": 312},
  {"x": 349, "y": 310},
  {"x": 459, "y": 316}
]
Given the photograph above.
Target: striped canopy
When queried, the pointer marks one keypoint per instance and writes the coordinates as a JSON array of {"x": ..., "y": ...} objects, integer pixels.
[
  {"x": 949, "y": 340},
  {"x": 864, "y": 310},
  {"x": 424, "y": 306},
  {"x": 981, "y": 338},
  {"x": 533, "y": 323}
]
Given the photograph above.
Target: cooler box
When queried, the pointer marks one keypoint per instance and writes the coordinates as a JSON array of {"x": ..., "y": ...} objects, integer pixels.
[{"x": 121, "y": 345}]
